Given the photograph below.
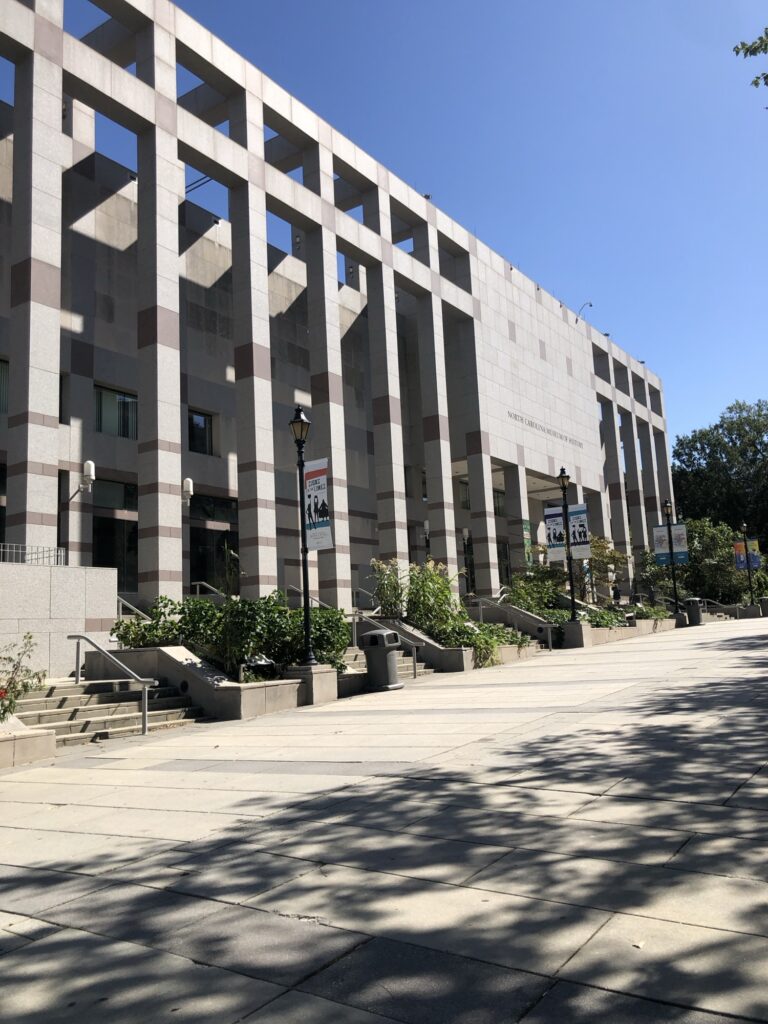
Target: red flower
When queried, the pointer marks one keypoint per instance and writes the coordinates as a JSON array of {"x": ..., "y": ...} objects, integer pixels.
[{"x": 3, "y": 694}]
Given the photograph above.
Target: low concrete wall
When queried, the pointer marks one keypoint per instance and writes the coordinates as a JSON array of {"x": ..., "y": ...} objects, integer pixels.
[
  {"x": 581, "y": 634},
  {"x": 743, "y": 611},
  {"x": 51, "y": 601},
  {"x": 211, "y": 690},
  {"x": 21, "y": 745},
  {"x": 510, "y": 653}
]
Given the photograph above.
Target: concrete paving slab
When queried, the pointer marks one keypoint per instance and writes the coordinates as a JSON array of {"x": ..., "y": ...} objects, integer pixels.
[
  {"x": 695, "y": 967},
  {"x": 300, "y": 1008},
  {"x": 32, "y": 891},
  {"x": 280, "y": 949},
  {"x": 130, "y": 912},
  {"x": 372, "y": 850},
  {"x": 737, "y": 858},
  {"x": 89, "y": 978},
  {"x": 560, "y": 835},
  {"x": 745, "y": 822},
  {"x": 580, "y": 1004},
  {"x": 71, "y": 851},
  {"x": 508, "y": 930},
  {"x": 421, "y": 986}
]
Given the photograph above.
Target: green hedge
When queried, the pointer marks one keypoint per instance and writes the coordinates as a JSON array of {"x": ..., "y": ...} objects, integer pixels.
[{"x": 239, "y": 632}]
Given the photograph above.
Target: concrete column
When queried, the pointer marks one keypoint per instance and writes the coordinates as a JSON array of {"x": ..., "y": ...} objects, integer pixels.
[
  {"x": 328, "y": 430},
  {"x": 253, "y": 374},
  {"x": 482, "y": 515},
  {"x": 634, "y": 484},
  {"x": 518, "y": 516},
  {"x": 160, "y": 190},
  {"x": 79, "y": 406},
  {"x": 389, "y": 463},
  {"x": 663, "y": 467},
  {"x": 40, "y": 153},
  {"x": 614, "y": 478},
  {"x": 598, "y": 514},
  {"x": 650, "y": 475},
  {"x": 437, "y": 443},
  {"x": 79, "y": 124}
]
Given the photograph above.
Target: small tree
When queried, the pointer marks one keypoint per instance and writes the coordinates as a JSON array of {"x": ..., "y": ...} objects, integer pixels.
[{"x": 16, "y": 677}]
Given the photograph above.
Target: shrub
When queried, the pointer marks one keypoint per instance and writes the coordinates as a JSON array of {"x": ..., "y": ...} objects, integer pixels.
[
  {"x": 650, "y": 611},
  {"x": 390, "y": 588},
  {"x": 432, "y": 608},
  {"x": 239, "y": 632},
  {"x": 16, "y": 677},
  {"x": 606, "y": 618}
]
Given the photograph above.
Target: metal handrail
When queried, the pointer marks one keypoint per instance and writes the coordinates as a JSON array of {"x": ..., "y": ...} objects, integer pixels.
[
  {"x": 362, "y": 590},
  {"x": 496, "y": 603},
  {"x": 207, "y": 586},
  {"x": 144, "y": 683},
  {"x": 123, "y": 604},
  {"x": 356, "y": 616}
]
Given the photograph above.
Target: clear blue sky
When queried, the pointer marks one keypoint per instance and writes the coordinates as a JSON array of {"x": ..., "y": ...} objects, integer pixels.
[{"x": 613, "y": 150}]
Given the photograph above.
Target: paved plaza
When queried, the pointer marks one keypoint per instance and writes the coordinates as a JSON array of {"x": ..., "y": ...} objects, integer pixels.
[{"x": 579, "y": 838}]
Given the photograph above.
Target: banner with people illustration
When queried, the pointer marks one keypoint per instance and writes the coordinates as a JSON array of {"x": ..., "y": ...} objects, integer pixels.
[
  {"x": 318, "y": 512},
  {"x": 753, "y": 550},
  {"x": 578, "y": 528}
]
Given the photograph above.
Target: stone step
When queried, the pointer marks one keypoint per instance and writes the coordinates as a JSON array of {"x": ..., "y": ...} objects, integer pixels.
[
  {"x": 68, "y": 687},
  {"x": 98, "y": 727},
  {"x": 47, "y": 717},
  {"x": 81, "y": 700},
  {"x": 74, "y": 739}
]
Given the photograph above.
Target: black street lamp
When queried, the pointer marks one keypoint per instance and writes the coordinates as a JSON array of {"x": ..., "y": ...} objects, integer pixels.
[
  {"x": 300, "y": 429},
  {"x": 668, "y": 516},
  {"x": 749, "y": 567},
  {"x": 563, "y": 479}
]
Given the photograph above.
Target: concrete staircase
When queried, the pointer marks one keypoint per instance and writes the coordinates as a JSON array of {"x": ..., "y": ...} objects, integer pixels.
[
  {"x": 102, "y": 709},
  {"x": 355, "y": 674}
]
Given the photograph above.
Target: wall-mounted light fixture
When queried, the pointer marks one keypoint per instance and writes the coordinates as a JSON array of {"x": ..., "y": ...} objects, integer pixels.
[
  {"x": 187, "y": 490},
  {"x": 89, "y": 476}
]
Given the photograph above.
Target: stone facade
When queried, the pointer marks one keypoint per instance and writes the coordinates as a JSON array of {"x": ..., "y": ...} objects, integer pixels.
[{"x": 445, "y": 387}]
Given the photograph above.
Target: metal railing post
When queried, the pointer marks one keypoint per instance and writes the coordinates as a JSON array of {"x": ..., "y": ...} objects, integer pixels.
[
  {"x": 144, "y": 710},
  {"x": 413, "y": 655},
  {"x": 354, "y": 628},
  {"x": 77, "y": 663}
]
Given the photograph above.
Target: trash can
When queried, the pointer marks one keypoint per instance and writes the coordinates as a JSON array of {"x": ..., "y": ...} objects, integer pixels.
[
  {"x": 693, "y": 610},
  {"x": 763, "y": 602},
  {"x": 381, "y": 647}
]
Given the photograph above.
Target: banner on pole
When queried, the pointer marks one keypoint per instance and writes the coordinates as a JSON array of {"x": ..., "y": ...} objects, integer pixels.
[
  {"x": 752, "y": 552},
  {"x": 679, "y": 543},
  {"x": 319, "y": 535},
  {"x": 578, "y": 528}
]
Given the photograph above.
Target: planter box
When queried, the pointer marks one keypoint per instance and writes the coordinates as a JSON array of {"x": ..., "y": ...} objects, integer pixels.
[
  {"x": 21, "y": 745},
  {"x": 581, "y": 634},
  {"x": 508, "y": 654},
  {"x": 211, "y": 690}
]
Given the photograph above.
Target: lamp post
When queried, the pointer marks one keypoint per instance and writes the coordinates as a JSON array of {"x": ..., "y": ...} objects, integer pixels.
[
  {"x": 749, "y": 566},
  {"x": 668, "y": 516},
  {"x": 300, "y": 429},
  {"x": 563, "y": 479}
]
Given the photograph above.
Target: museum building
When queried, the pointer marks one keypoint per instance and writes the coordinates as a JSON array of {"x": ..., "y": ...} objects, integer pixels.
[{"x": 163, "y": 341}]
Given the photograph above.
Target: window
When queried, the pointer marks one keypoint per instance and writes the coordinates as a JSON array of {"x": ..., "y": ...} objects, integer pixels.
[
  {"x": 116, "y": 413},
  {"x": 200, "y": 432},
  {"x": 463, "y": 494},
  {"x": 113, "y": 494},
  {"x": 3, "y": 385},
  {"x": 499, "y": 500},
  {"x": 218, "y": 510}
]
